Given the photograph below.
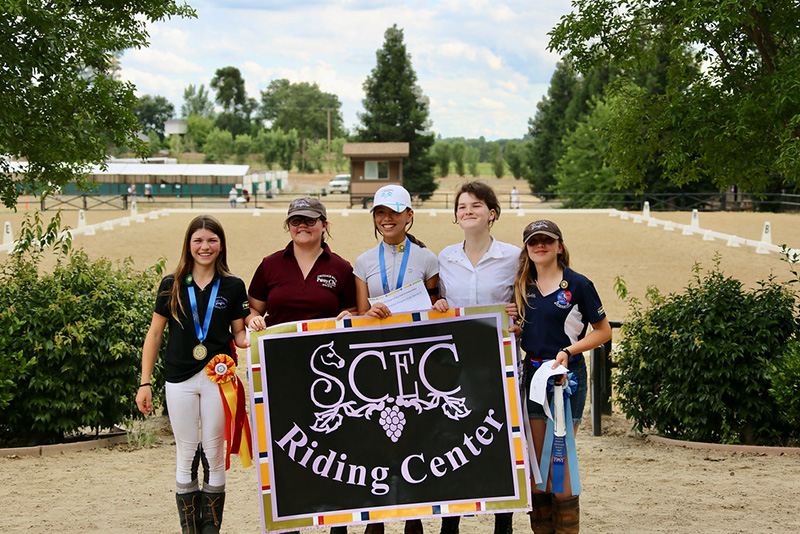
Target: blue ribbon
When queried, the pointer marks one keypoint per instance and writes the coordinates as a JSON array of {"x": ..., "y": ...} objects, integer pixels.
[
  {"x": 403, "y": 264},
  {"x": 555, "y": 447},
  {"x": 202, "y": 331}
]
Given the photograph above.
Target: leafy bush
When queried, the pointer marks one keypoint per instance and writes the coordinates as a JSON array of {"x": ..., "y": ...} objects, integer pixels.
[
  {"x": 700, "y": 365},
  {"x": 70, "y": 340}
]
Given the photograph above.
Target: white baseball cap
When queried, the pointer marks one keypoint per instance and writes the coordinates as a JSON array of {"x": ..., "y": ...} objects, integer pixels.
[{"x": 392, "y": 196}]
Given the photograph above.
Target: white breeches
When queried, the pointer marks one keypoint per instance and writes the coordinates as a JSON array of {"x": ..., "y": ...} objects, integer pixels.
[{"x": 196, "y": 415}]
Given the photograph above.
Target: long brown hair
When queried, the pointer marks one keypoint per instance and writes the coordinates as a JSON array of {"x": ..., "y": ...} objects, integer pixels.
[
  {"x": 527, "y": 276},
  {"x": 411, "y": 238},
  {"x": 186, "y": 263}
]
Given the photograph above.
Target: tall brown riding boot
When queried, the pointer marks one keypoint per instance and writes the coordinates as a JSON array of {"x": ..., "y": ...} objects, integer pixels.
[
  {"x": 374, "y": 528},
  {"x": 189, "y": 512},
  {"x": 567, "y": 515},
  {"x": 213, "y": 504},
  {"x": 542, "y": 513}
]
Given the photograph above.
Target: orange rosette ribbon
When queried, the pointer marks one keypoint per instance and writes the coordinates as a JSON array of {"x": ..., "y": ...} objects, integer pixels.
[{"x": 222, "y": 370}]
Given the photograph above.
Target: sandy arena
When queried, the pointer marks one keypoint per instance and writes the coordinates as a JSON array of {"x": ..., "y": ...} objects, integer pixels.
[{"x": 629, "y": 484}]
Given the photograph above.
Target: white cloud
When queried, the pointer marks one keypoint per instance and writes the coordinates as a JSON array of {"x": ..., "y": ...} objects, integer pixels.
[{"x": 483, "y": 65}]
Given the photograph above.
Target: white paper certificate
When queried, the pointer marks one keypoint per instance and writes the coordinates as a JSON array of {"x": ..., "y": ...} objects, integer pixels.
[{"x": 409, "y": 298}]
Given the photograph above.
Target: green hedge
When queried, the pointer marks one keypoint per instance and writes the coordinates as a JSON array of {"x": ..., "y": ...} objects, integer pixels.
[
  {"x": 713, "y": 363},
  {"x": 70, "y": 344}
]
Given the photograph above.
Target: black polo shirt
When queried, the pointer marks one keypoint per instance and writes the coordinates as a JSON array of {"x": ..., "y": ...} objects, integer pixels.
[
  {"x": 231, "y": 304},
  {"x": 329, "y": 287}
]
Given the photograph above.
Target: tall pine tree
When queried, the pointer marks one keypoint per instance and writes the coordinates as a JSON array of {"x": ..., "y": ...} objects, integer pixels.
[{"x": 395, "y": 110}]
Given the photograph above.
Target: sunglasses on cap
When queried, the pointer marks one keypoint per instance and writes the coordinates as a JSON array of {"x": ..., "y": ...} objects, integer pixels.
[
  {"x": 308, "y": 221},
  {"x": 541, "y": 239}
]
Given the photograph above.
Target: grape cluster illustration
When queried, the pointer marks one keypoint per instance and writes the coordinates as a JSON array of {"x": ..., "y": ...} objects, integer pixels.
[{"x": 392, "y": 420}]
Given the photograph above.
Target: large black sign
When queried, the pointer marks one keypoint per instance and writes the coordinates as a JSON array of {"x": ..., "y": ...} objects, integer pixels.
[{"x": 391, "y": 416}]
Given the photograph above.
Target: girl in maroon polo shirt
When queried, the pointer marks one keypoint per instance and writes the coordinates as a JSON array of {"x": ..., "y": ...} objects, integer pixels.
[{"x": 305, "y": 280}]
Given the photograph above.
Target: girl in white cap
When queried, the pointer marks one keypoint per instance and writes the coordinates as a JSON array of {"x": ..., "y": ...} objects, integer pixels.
[{"x": 399, "y": 259}]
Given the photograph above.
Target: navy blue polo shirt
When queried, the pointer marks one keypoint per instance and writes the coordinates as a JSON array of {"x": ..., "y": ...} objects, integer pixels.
[
  {"x": 329, "y": 287},
  {"x": 231, "y": 304},
  {"x": 561, "y": 318}
]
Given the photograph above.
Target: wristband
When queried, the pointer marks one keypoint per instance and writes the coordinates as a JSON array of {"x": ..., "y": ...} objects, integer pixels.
[
  {"x": 566, "y": 350},
  {"x": 143, "y": 385}
]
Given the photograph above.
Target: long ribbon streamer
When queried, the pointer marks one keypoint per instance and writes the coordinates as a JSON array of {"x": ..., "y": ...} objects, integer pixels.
[
  {"x": 401, "y": 274},
  {"x": 572, "y": 455},
  {"x": 222, "y": 370}
]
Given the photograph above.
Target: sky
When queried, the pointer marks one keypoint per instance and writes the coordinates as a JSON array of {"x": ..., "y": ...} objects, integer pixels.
[{"x": 483, "y": 64}]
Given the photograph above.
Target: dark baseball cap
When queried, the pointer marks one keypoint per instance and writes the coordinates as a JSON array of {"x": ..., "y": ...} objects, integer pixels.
[
  {"x": 544, "y": 227},
  {"x": 307, "y": 207}
]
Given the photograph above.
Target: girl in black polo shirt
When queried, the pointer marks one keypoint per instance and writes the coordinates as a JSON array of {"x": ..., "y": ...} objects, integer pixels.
[{"x": 205, "y": 311}]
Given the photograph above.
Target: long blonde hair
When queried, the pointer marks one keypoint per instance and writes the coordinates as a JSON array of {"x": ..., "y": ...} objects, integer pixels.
[
  {"x": 527, "y": 276},
  {"x": 186, "y": 263}
]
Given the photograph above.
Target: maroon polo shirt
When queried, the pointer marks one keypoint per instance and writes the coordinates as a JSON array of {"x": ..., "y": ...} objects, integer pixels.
[{"x": 329, "y": 287}]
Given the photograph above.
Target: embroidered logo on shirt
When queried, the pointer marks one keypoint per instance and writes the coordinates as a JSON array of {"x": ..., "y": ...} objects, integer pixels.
[
  {"x": 327, "y": 280},
  {"x": 245, "y": 305},
  {"x": 221, "y": 303},
  {"x": 563, "y": 298}
]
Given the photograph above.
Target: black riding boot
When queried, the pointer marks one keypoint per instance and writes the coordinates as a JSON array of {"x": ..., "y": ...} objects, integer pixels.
[
  {"x": 189, "y": 512},
  {"x": 213, "y": 503}
]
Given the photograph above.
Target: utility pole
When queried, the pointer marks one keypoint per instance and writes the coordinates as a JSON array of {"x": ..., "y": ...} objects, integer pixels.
[{"x": 329, "y": 139}]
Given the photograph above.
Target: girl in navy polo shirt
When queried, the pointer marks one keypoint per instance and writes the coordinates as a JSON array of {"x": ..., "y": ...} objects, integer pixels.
[
  {"x": 205, "y": 306},
  {"x": 556, "y": 305}
]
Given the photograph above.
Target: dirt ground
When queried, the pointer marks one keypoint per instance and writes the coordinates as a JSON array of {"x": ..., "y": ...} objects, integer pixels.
[{"x": 629, "y": 483}]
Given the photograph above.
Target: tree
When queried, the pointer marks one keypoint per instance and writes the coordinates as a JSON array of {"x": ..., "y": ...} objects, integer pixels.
[
  {"x": 498, "y": 164},
  {"x": 62, "y": 108},
  {"x": 582, "y": 168},
  {"x": 243, "y": 146},
  {"x": 515, "y": 157},
  {"x": 218, "y": 145},
  {"x": 229, "y": 85},
  {"x": 302, "y": 106},
  {"x": 737, "y": 119},
  {"x": 197, "y": 130},
  {"x": 152, "y": 112},
  {"x": 396, "y": 110},
  {"x": 196, "y": 101},
  {"x": 441, "y": 154},
  {"x": 472, "y": 157},
  {"x": 459, "y": 149},
  {"x": 548, "y": 127}
]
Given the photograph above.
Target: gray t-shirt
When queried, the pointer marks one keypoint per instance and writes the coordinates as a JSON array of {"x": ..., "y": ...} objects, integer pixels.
[{"x": 422, "y": 265}]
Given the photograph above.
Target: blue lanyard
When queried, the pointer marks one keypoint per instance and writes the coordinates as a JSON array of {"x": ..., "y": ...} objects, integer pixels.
[
  {"x": 202, "y": 331},
  {"x": 403, "y": 265}
]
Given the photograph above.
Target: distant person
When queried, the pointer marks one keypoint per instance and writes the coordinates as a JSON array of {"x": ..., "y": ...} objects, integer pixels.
[
  {"x": 148, "y": 192},
  {"x": 204, "y": 306},
  {"x": 132, "y": 192},
  {"x": 246, "y": 195},
  {"x": 232, "y": 196},
  {"x": 514, "y": 198},
  {"x": 478, "y": 271},
  {"x": 556, "y": 306}
]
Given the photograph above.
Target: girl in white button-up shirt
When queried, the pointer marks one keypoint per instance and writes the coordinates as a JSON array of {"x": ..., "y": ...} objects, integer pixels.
[{"x": 478, "y": 271}]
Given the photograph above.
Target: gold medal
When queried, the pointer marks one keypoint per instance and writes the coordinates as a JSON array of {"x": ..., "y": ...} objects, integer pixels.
[{"x": 199, "y": 352}]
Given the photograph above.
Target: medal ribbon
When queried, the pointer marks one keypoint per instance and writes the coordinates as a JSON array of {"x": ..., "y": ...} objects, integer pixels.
[
  {"x": 222, "y": 370},
  {"x": 559, "y": 441},
  {"x": 403, "y": 264},
  {"x": 202, "y": 331}
]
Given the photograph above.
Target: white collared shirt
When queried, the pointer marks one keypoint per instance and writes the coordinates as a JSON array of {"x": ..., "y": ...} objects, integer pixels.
[{"x": 489, "y": 282}]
